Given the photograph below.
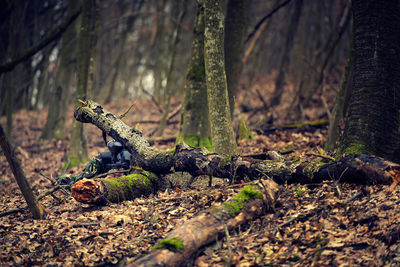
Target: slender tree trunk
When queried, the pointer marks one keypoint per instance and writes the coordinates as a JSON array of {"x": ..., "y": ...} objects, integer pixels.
[
  {"x": 171, "y": 72},
  {"x": 223, "y": 136},
  {"x": 34, "y": 206},
  {"x": 373, "y": 122},
  {"x": 195, "y": 123},
  {"x": 235, "y": 27},
  {"x": 78, "y": 146},
  {"x": 55, "y": 123},
  {"x": 285, "y": 59},
  {"x": 158, "y": 49}
]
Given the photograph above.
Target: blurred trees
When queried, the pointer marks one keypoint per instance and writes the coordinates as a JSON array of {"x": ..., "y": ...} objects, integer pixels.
[
  {"x": 301, "y": 47},
  {"x": 77, "y": 149}
]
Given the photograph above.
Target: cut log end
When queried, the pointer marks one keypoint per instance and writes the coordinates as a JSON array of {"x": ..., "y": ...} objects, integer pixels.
[{"x": 89, "y": 192}]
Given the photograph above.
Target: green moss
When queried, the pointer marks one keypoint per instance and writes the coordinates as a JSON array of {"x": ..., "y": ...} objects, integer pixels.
[
  {"x": 172, "y": 244},
  {"x": 355, "y": 148},
  {"x": 312, "y": 123},
  {"x": 130, "y": 186},
  {"x": 236, "y": 204},
  {"x": 189, "y": 139},
  {"x": 206, "y": 143},
  {"x": 398, "y": 123},
  {"x": 244, "y": 132},
  {"x": 197, "y": 72},
  {"x": 319, "y": 123},
  {"x": 195, "y": 141},
  {"x": 225, "y": 161}
]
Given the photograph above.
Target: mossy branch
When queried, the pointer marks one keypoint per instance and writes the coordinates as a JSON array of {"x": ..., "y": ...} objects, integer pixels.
[{"x": 359, "y": 167}]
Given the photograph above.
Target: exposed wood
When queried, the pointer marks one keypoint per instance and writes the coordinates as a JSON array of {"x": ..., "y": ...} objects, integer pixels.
[
  {"x": 34, "y": 206},
  {"x": 211, "y": 223}
]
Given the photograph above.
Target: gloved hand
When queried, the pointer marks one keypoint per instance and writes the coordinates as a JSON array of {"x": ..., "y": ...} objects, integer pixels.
[{"x": 66, "y": 179}]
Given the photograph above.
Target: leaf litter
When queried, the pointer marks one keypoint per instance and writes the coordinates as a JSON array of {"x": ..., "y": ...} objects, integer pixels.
[{"x": 327, "y": 224}]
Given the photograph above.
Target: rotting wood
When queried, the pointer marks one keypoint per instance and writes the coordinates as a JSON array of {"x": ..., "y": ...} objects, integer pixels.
[
  {"x": 359, "y": 168},
  {"x": 178, "y": 247}
]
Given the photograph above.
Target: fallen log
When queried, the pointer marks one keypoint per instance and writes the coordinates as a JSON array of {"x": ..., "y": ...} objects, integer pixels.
[
  {"x": 179, "y": 246},
  {"x": 359, "y": 168},
  {"x": 117, "y": 189}
]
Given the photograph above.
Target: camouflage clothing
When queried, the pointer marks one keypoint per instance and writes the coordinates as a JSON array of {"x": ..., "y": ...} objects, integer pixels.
[{"x": 94, "y": 168}]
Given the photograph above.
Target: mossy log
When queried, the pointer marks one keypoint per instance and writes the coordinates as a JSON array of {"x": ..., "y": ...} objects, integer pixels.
[
  {"x": 116, "y": 189},
  {"x": 352, "y": 168},
  {"x": 182, "y": 243}
]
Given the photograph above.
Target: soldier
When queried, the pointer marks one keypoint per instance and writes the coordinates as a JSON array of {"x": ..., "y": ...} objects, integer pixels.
[{"x": 116, "y": 158}]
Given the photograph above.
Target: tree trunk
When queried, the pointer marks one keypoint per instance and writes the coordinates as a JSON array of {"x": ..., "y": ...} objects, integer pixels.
[
  {"x": 285, "y": 59},
  {"x": 78, "y": 151},
  {"x": 195, "y": 124},
  {"x": 34, "y": 206},
  {"x": 235, "y": 27},
  {"x": 170, "y": 75},
  {"x": 373, "y": 122},
  {"x": 340, "y": 107},
  {"x": 222, "y": 134},
  {"x": 55, "y": 123}
]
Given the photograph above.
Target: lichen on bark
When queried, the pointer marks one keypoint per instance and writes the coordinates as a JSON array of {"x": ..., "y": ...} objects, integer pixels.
[
  {"x": 223, "y": 136},
  {"x": 195, "y": 124}
]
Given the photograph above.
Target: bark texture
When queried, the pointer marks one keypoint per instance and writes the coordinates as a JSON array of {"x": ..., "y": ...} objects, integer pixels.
[
  {"x": 182, "y": 243},
  {"x": 340, "y": 107},
  {"x": 373, "y": 121},
  {"x": 223, "y": 136},
  {"x": 195, "y": 124}
]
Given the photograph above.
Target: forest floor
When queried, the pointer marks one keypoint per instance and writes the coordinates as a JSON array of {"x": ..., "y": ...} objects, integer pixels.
[{"x": 328, "y": 224}]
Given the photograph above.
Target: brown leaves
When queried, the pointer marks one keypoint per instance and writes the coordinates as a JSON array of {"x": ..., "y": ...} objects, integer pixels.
[{"x": 310, "y": 226}]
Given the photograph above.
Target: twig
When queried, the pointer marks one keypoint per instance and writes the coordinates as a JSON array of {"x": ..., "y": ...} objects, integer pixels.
[
  {"x": 228, "y": 261},
  {"x": 321, "y": 156},
  {"x": 85, "y": 224},
  {"x": 51, "y": 191},
  {"x": 9, "y": 212},
  {"x": 154, "y": 100},
  {"x": 168, "y": 209},
  {"x": 53, "y": 182},
  {"x": 258, "y": 25},
  {"x": 126, "y": 112},
  {"x": 154, "y": 122},
  {"x": 174, "y": 113},
  {"x": 262, "y": 99},
  {"x": 83, "y": 102}
]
